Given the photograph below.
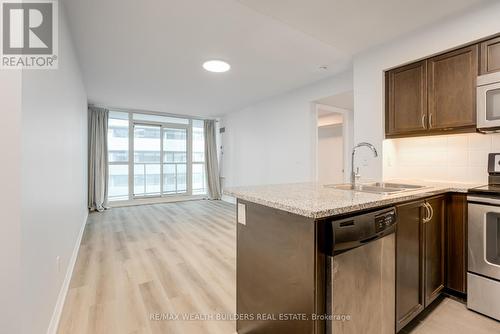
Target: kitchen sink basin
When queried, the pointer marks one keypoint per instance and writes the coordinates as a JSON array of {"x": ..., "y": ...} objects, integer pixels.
[
  {"x": 382, "y": 188},
  {"x": 396, "y": 185}
]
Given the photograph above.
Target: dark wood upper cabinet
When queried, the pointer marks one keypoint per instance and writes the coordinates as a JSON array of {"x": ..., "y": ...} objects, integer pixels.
[
  {"x": 436, "y": 95},
  {"x": 435, "y": 249},
  {"x": 410, "y": 299},
  {"x": 406, "y": 100},
  {"x": 452, "y": 89},
  {"x": 456, "y": 251},
  {"x": 490, "y": 56}
]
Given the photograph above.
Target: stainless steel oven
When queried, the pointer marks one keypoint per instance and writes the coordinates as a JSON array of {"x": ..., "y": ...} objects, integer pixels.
[
  {"x": 488, "y": 102},
  {"x": 483, "y": 277}
]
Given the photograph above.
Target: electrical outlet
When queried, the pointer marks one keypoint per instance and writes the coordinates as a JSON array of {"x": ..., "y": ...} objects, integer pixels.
[
  {"x": 242, "y": 214},
  {"x": 58, "y": 263}
]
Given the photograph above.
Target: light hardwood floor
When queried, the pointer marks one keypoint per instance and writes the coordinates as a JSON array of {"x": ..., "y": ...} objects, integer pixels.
[
  {"x": 145, "y": 261},
  {"x": 179, "y": 258},
  {"x": 449, "y": 316}
]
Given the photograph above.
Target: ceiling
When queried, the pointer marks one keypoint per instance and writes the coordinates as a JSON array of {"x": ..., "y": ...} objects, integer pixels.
[
  {"x": 148, "y": 54},
  {"x": 355, "y": 25}
]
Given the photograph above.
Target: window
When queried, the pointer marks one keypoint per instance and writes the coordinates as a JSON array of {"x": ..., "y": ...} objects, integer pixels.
[
  {"x": 155, "y": 155},
  {"x": 175, "y": 160},
  {"x": 118, "y": 156},
  {"x": 147, "y": 161},
  {"x": 198, "y": 173}
]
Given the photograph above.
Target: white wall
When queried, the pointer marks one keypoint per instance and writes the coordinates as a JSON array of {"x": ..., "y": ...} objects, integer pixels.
[
  {"x": 369, "y": 66},
  {"x": 53, "y": 179},
  {"x": 330, "y": 154},
  {"x": 274, "y": 141},
  {"x": 10, "y": 213}
]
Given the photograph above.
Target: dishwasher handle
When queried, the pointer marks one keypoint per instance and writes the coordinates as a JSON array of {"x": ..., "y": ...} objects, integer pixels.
[{"x": 372, "y": 238}]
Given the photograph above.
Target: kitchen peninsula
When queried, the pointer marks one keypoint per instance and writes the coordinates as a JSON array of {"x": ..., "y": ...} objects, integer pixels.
[{"x": 285, "y": 243}]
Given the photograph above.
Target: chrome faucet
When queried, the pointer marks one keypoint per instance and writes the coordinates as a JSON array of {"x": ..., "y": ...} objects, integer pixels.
[{"x": 354, "y": 175}]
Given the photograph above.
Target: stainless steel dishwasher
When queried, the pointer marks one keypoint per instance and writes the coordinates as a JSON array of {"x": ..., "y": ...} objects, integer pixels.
[{"x": 361, "y": 274}]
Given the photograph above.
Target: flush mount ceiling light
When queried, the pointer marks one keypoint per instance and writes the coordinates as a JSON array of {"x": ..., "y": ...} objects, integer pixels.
[{"x": 217, "y": 66}]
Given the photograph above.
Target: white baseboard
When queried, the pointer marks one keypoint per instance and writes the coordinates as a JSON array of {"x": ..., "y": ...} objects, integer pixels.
[
  {"x": 61, "y": 298},
  {"x": 229, "y": 199}
]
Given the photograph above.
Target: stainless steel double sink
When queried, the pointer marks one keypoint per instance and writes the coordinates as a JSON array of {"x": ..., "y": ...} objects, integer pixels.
[{"x": 382, "y": 188}]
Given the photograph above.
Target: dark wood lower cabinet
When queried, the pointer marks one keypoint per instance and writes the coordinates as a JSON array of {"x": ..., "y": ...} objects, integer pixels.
[
  {"x": 420, "y": 256},
  {"x": 456, "y": 250},
  {"x": 410, "y": 299},
  {"x": 435, "y": 249},
  {"x": 280, "y": 270}
]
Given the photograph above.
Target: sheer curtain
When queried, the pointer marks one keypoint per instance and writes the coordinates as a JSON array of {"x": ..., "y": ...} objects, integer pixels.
[
  {"x": 98, "y": 158},
  {"x": 211, "y": 161}
]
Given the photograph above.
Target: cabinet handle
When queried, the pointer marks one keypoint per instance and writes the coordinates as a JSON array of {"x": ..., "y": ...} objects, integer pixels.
[
  {"x": 432, "y": 211},
  {"x": 430, "y": 121},
  {"x": 427, "y": 213},
  {"x": 423, "y": 121}
]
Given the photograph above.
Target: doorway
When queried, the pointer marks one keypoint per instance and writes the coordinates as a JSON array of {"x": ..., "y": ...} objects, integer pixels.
[
  {"x": 334, "y": 118},
  {"x": 330, "y": 148}
]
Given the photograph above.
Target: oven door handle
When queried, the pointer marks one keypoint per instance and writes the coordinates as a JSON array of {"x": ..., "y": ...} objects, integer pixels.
[{"x": 483, "y": 200}]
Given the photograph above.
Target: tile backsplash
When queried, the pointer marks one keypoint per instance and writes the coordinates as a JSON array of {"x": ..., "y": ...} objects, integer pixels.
[{"x": 454, "y": 158}]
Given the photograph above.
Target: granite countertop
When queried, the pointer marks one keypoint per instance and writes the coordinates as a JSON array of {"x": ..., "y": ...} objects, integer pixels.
[{"x": 317, "y": 201}]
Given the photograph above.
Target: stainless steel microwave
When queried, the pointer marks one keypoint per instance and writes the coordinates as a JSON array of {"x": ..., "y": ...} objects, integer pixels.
[{"x": 488, "y": 102}]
